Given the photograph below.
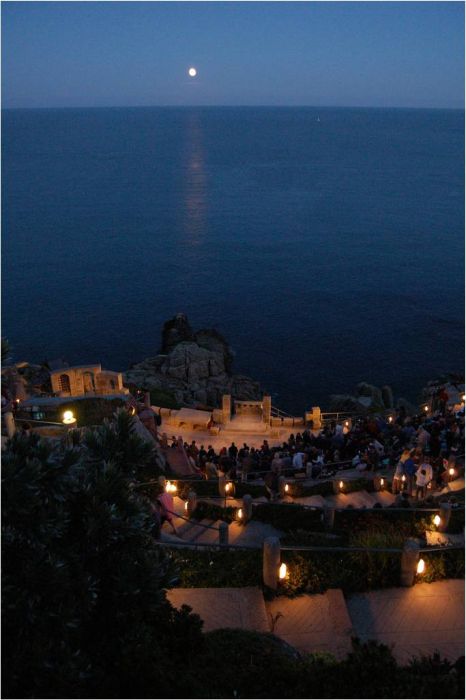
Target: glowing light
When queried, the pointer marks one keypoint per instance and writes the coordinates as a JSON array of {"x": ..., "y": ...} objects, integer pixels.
[
  {"x": 240, "y": 513},
  {"x": 403, "y": 478},
  {"x": 464, "y": 397},
  {"x": 282, "y": 571},
  {"x": 346, "y": 423},
  {"x": 186, "y": 505},
  {"x": 170, "y": 488},
  {"x": 426, "y": 408},
  {"x": 421, "y": 566},
  {"x": 390, "y": 419},
  {"x": 451, "y": 471},
  {"x": 192, "y": 72},
  {"x": 68, "y": 417},
  {"x": 341, "y": 484},
  {"x": 287, "y": 487},
  {"x": 382, "y": 482},
  {"x": 228, "y": 487},
  {"x": 437, "y": 520}
]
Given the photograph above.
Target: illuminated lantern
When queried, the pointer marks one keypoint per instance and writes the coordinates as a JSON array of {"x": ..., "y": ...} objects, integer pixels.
[
  {"x": 287, "y": 487},
  {"x": 421, "y": 566},
  {"x": 68, "y": 417},
  {"x": 437, "y": 520},
  {"x": 341, "y": 484},
  {"x": 282, "y": 572}
]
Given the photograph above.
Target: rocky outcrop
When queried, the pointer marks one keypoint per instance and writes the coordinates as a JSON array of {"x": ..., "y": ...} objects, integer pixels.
[
  {"x": 196, "y": 367},
  {"x": 366, "y": 399}
]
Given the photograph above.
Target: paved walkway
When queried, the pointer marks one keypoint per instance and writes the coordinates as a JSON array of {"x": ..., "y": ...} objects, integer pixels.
[
  {"x": 414, "y": 621},
  {"x": 417, "y": 620},
  {"x": 222, "y": 608},
  {"x": 312, "y": 623}
]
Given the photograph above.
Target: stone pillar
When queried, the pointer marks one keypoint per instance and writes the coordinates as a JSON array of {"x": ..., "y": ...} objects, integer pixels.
[
  {"x": 316, "y": 418},
  {"x": 281, "y": 486},
  {"x": 247, "y": 508},
  {"x": 222, "y": 480},
  {"x": 266, "y": 408},
  {"x": 191, "y": 503},
  {"x": 445, "y": 513},
  {"x": 409, "y": 561},
  {"x": 226, "y": 408},
  {"x": 9, "y": 423},
  {"x": 271, "y": 562},
  {"x": 328, "y": 517},
  {"x": 223, "y": 534}
]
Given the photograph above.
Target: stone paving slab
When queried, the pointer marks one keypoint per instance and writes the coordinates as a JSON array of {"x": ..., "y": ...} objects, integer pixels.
[
  {"x": 417, "y": 620},
  {"x": 313, "y": 623},
  {"x": 222, "y": 608}
]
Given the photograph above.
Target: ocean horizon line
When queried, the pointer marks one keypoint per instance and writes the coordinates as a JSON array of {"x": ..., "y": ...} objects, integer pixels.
[{"x": 242, "y": 106}]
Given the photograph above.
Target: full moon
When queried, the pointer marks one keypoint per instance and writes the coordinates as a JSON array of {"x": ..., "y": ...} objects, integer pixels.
[{"x": 192, "y": 72}]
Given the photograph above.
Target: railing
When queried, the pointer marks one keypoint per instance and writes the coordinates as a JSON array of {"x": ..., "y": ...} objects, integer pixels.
[{"x": 278, "y": 413}]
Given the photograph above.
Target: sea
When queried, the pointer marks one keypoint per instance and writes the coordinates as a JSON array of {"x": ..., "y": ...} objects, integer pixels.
[{"x": 326, "y": 244}]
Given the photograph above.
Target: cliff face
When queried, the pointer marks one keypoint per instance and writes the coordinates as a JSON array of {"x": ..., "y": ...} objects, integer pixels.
[{"x": 195, "y": 366}]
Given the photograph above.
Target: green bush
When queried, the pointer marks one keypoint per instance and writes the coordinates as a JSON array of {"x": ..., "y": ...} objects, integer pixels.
[
  {"x": 163, "y": 399},
  {"x": 244, "y": 664},
  {"x": 288, "y": 517},
  {"x": 212, "y": 511},
  {"x": 216, "y": 568}
]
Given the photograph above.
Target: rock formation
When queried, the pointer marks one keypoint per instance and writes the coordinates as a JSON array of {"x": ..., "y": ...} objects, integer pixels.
[{"x": 196, "y": 367}]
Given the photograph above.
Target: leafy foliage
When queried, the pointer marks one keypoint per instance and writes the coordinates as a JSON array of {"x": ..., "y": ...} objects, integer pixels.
[{"x": 84, "y": 609}]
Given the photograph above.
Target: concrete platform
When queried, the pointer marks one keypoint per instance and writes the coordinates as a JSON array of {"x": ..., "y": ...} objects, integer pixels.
[
  {"x": 417, "y": 620},
  {"x": 222, "y": 608},
  {"x": 313, "y": 623}
]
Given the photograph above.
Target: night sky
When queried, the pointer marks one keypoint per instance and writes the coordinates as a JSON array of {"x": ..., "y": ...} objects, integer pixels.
[{"x": 138, "y": 53}]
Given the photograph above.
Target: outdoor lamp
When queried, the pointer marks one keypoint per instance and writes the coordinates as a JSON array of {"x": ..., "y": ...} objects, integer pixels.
[
  {"x": 382, "y": 482},
  {"x": 437, "y": 520},
  {"x": 239, "y": 513},
  {"x": 451, "y": 471},
  {"x": 186, "y": 506},
  {"x": 403, "y": 478},
  {"x": 341, "y": 484},
  {"x": 287, "y": 487},
  {"x": 282, "y": 571},
  {"x": 426, "y": 408},
  {"x": 170, "y": 488},
  {"x": 421, "y": 566},
  {"x": 68, "y": 417},
  {"x": 390, "y": 419}
]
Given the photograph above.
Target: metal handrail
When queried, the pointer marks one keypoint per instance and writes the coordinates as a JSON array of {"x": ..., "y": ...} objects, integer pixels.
[
  {"x": 305, "y": 548},
  {"x": 188, "y": 520}
]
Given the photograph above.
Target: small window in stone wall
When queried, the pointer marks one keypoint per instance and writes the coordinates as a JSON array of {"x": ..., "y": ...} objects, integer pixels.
[{"x": 64, "y": 383}]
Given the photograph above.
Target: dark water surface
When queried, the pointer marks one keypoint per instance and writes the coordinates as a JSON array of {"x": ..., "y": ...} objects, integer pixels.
[{"x": 328, "y": 252}]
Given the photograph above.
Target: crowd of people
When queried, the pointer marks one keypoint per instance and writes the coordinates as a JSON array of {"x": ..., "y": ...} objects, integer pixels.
[{"x": 421, "y": 449}]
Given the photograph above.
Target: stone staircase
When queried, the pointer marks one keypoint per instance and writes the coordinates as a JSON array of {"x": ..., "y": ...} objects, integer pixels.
[
  {"x": 416, "y": 620},
  {"x": 201, "y": 532}
]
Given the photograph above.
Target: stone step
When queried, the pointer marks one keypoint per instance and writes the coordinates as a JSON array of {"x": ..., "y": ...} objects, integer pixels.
[
  {"x": 221, "y": 608},
  {"x": 313, "y": 623},
  {"x": 425, "y": 618},
  {"x": 200, "y": 534}
]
